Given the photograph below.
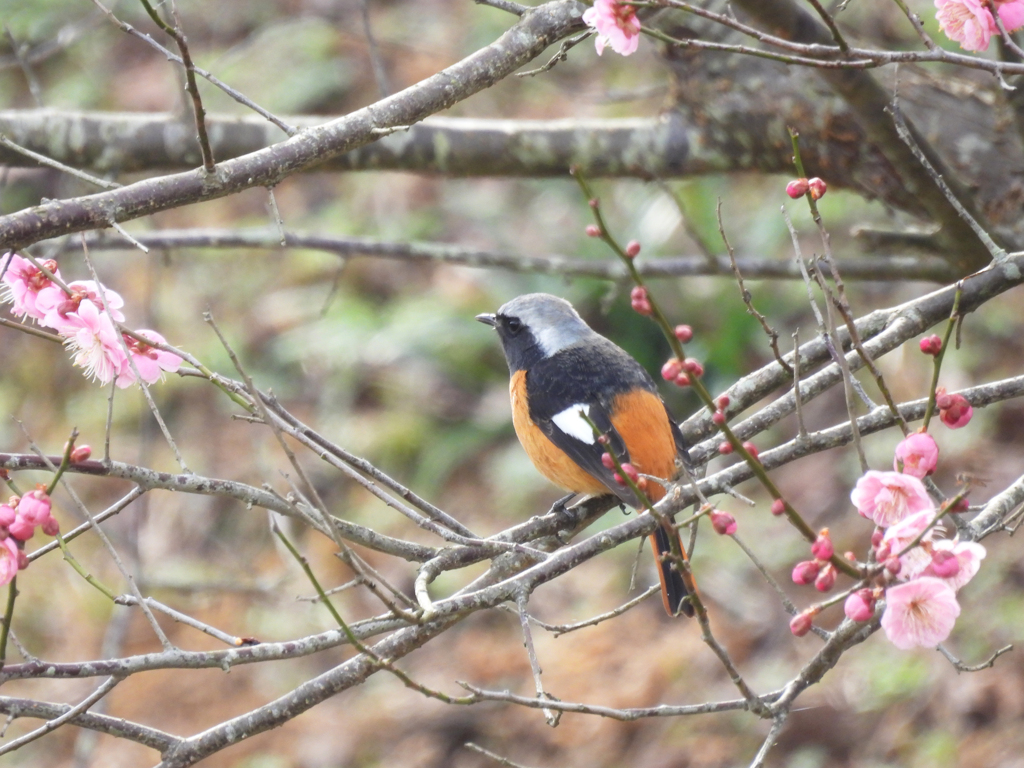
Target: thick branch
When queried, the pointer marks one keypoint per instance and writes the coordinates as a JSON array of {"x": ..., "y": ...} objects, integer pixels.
[{"x": 267, "y": 167}]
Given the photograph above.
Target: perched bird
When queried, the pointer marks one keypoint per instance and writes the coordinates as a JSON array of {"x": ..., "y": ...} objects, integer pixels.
[{"x": 560, "y": 367}]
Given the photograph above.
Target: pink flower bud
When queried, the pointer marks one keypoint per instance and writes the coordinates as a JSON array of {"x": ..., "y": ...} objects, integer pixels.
[
  {"x": 860, "y": 606},
  {"x": 607, "y": 461},
  {"x": 931, "y": 345},
  {"x": 725, "y": 448},
  {"x": 797, "y": 188},
  {"x": 961, "y": 505},
  {"x": 684, "y": 333},
  {"x": 883, "y": 551},
  {"x": 632, "y": 249},
  {"x": 817, "y": 188},
  {"x": 944, "y": 564},
  {"x": 603, "y": 439},
  {"x": 778, "y": 507},
  {"x": 893, "y": 565},
  {"x": 822, "y": 547},
  {"x": 806, "y": 572},
  {"x": 682, "y": 380},
  {"x": 7, "y": 515},
  {"x": 34, "y": 507},
  {"x": 641, "y": 301},
  {"x": 826, "y": 579},
  {"x": 718, "y": 418},
  {"x": 50, "y": 526},
  {"x": 671, "y": 369},
  {"x": 876, "y": 537},
  {"x": 21, "y": 529},
  {"x": 722, "y": 402},
  {"x": 631, "y": 473},
  {"x": 751, "y": 449},
  {"x": 593, "y": 230},
  {"x": 22, "y": 560},
  {"x": 723, "y": 523},
  {"x": 593, "y": 202},
  {"x": 956, "y": 412},
  {"x": 801, "y": 624},
  {"x": 80, "y": 453},
  {"x": 693, "y": 367}
]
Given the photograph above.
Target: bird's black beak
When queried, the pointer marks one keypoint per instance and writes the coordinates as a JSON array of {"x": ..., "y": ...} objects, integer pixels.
[{"x": 490, "y": 320}]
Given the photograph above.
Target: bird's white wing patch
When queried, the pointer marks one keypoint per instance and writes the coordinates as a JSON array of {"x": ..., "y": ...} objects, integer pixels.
[{"x": 574, "y": 425}]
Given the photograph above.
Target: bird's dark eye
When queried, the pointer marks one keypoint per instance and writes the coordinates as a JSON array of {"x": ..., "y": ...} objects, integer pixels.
[{"x": 514, "y": 325}]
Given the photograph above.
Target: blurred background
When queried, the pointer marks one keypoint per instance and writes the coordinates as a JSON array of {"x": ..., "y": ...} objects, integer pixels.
[{"x": 383, "y": 357}]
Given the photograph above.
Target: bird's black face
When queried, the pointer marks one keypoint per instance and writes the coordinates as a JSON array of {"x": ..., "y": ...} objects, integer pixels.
[{"x": 520, "y": 345}]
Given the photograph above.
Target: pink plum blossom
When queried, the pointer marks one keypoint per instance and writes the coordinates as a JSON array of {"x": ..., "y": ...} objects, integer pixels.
[
  {"x": 968, "y": 22},
  {"x": 8, "y": 561},
  {"x": 23, "y": 282},
  {"x": 93, "y": 340},
  {"x": 56, "y": 305},
  {"x": 1011, "y": 13},
  {"x": 616, "y": 25},
  {"x": 902, "y": 535},
  {"x": 968, "y": 556},
  {"x": 918, "y": 453},
  {"x": 150, "y": 362},
  {"x": 7, "y": 515},
  {"x": 888, "y": 497},
  {"x": 919, "y": 613}
]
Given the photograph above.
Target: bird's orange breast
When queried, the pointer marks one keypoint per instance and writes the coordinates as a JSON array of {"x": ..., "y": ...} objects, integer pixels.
[
  {"x": 551, "y": 460},
  {"x": 638, "y": 416}
]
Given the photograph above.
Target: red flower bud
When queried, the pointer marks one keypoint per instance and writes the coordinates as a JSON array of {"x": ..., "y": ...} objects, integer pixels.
[
  {"x": 50, "y": 526},
  {"x": 632, "y": 249},
  {"x": 607, "y": 461},
  {"x": 722, "y": 402},
  {"x": 882, "y": 552},
  {"x": 751, "y": 449},
  {"x": 684, "y": 333},
  {"x": 817, "y": 188},
  {"x": 718, "y": 418},
  {"x": 693, "y": 367},
  {"x": 801, "y": 624},
  {"x": 80, "y": 453},
  {"x": 956, "y": 412},
  {"x": 778, "y": 507},
  {"x": 806, "y": 572},
  {"x": 593, "y": 202},
  {"x": 931, "y": 345},
  {"x": 876, "y": 537},
  {"x": 683, "y": 380},
  {"x": 945, "y": 564},
  {"x": 725, "y": 448},
  {"x": 671, "y": 369},
  {"x": 826, "y": 579},
  {"x": 893, "y": 565},
  {"x": 860, "y": 606},
  {"x": 797, "y": 188},
  {"x": 822, "y": 547},
  {"x": 723, "y": 523},
  {"x": 593, "y": 230},
  {"x": 22, "y": 560}
]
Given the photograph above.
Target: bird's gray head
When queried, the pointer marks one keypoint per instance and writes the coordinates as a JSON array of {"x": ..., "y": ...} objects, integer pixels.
[{"x": 536, "y": 326}]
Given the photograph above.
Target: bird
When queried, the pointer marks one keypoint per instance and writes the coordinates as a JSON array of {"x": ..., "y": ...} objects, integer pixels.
[{"x": 560, "y": 369}]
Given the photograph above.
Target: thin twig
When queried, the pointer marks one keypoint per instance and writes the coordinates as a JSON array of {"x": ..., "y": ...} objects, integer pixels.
[{"x": 44, "y": 160}]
